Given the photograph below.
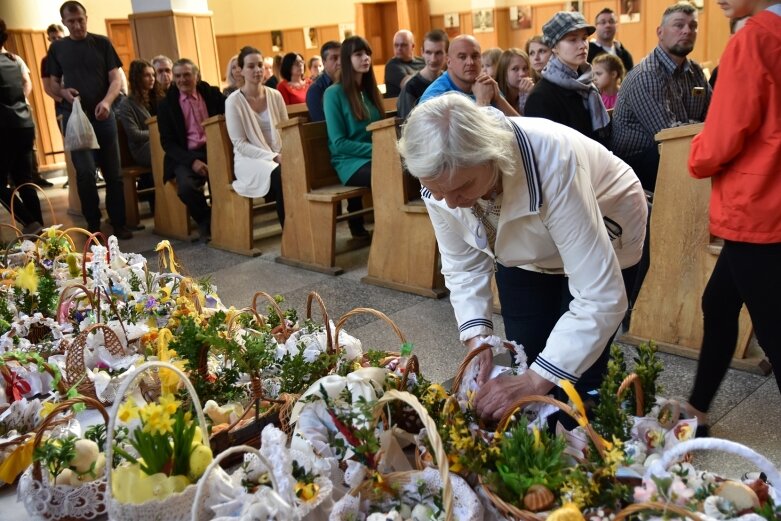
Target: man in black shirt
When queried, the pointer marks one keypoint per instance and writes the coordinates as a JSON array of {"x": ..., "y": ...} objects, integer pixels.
[
  {"x": 605, "y": 41},
  {"x": 89, "y": 66},
  {"x": 403, "y": 64},
  {"x": 435, "y": 47}
]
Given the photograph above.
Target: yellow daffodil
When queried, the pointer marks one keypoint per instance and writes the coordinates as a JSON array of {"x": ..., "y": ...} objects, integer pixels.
[
  {"x": 169, "y": 404},
  {"x": 537, "y": 438},
  {"x": 128, "y": 411},
  {"x": 156, "y": 420},
  {"x": 568, "y": 512},
  {"x": 306, "y": 491},
  {"x": 27, "y": 278}
]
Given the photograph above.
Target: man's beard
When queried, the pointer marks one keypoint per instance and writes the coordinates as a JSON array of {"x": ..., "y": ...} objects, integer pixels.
[{"x": 682, "y": 51}]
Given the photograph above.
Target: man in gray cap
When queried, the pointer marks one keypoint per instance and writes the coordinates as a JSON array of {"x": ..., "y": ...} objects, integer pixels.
[{"x": 566, "y": 94}]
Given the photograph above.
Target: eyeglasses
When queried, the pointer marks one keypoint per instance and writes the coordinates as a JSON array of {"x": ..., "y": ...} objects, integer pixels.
[{"x": 607, "y": 22}]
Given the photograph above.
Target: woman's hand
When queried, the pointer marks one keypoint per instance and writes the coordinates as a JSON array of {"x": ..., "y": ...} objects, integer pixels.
[
  {"x": 484, "y": 361},
  {"x": 525, "y": 85},
  {"x": 497, "y": 395}
]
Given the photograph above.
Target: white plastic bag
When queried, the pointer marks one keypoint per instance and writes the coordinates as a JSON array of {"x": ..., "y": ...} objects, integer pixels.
[{"x": 79, "y": 134}]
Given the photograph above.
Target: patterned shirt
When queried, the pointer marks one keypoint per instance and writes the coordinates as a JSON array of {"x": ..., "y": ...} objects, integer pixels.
[{"x": 655, "y": 95}]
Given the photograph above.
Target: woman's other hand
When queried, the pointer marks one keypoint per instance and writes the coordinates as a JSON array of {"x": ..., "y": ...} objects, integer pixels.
[{"x": 497, "y": 395}]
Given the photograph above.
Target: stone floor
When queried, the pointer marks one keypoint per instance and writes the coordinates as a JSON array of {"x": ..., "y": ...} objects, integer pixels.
[{"x": 747, "y": 408}]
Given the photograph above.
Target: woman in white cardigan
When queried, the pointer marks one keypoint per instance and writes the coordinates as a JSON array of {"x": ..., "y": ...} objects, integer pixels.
[{"x": 251, "y": 115}]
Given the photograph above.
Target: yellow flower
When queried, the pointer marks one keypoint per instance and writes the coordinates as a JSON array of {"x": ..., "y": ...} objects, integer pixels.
[
  {"x": 169, "y": 404},
  {"x": 568, "y": 512},
  {"x": 127, "y": 411},
  {"x": 46, "y": 409},
  {"x": 164, "y": 247},
  {"x": 27, "y": 278},
  {"x": 306, "y": 491},
  {"x": 156, "y": 420},
  {"x": 574, "y": 397}
]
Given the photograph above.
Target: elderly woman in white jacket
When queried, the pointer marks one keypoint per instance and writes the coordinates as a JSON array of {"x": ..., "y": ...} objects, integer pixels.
[
  {"x": 555, "y": 214},
  {"x": 251, "y": 115}
]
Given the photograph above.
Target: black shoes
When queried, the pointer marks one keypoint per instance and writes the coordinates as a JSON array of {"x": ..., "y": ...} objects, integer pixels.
[
  {"x": 121, "y": 232},
  {"x": 43, "y": 183}
]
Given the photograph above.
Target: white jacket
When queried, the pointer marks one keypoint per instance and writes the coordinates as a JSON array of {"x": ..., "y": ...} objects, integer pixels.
[
  {"x": 551, "y": 221},
  {"x": 253, "y": 158}
]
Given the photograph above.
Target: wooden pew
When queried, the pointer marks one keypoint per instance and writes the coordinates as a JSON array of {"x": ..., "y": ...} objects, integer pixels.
[
  {"x": 297, "y": 110},
  {"x": 312, "y": 195},
  {"x": 131, "y": 171},
  {"x": 232, "y": 214},
  {"x": 683, "y": 254},
  {"x": 171, "y": 216},
  {"x": 404, "y": 254}
]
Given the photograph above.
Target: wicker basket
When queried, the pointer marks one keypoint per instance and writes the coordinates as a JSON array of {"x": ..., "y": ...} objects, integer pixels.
[
  {"x": 652, "y": 506},
  {"x": 233, "y": 453},
  {"x": 367, "y": 489},
  {"x": 175, "y": 507},
  {"x": 282, "y": 332},
  {"x": 75, "y": 369},
  {"x": 63, "y": 503},
  {"x": 510, "y": 510}
]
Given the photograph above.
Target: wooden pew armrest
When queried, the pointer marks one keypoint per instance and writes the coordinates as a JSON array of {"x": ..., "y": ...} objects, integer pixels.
[
  {"x": 212, "y": 120},
  {"x": 416, "y": 206},
  {"x": 292, "y": 122}
]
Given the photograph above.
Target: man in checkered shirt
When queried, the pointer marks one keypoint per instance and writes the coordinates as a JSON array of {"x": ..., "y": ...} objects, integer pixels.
[{"x": 665, "y": 90}]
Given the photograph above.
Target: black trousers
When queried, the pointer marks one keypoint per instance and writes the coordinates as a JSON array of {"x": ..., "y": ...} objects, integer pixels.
[
  {"x": 16, "y": 163},
  {"x": 532, "y": 303},
  {"x": 189, "y": 188},
  {"x": 744, "y": 274},
  {"x": 276, "y": 192},
  {"x": 361, "y": 177}
]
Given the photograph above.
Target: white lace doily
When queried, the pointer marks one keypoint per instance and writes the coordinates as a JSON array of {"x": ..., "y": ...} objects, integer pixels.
[
  {"x": 176, "y": 507},
  {"x": 44, "y": 501}
]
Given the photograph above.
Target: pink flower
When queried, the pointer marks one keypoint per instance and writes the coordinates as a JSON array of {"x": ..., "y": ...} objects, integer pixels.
[
  {"x": 679, "y": 492},
  {"x": 645, "y": 493}
]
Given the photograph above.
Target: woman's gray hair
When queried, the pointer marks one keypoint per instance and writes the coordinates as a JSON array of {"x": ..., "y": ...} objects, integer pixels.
[{"x": 450, "y": 132}]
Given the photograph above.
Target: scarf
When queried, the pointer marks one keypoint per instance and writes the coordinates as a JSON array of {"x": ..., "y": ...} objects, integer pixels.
[{"x": 561, "y": 75}]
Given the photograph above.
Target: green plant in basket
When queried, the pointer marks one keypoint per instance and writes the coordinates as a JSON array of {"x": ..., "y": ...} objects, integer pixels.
[
  {"x": 529, "y": 458},
  {"x": 611, "y": 420},
  {"x": 648, "y": 367},
  {"x": 165, "y": 452}
]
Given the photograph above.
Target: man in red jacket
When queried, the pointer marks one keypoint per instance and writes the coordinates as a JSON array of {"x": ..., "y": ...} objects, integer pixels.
[{"x": 740, "y": 150}]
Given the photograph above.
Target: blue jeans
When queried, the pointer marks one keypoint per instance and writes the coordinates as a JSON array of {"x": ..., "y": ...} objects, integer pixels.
[{"x": 107, "y": 157}]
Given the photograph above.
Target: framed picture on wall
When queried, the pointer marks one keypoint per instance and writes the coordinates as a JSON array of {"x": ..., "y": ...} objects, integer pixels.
[
  {"x": 311, "y": 41},
  {"x": 346, "y": 30},
  {"x": 521, "y": 17},
  {"x": 277, "y": 45},
  {"x": 630, "y": 11},
  {"x": 574, "y": 6},
  {"x": 452, "y": 20},
  {"x": 483, "y": 21}
]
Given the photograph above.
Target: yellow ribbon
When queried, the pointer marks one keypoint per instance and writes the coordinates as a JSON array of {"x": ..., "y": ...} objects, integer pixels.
[
  {"x": 163, "y": 247},
  {"x": 17, "y": 461}
]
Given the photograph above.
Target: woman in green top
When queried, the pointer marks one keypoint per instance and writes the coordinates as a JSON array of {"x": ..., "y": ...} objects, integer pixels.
[{"x": 349, "y": 106}]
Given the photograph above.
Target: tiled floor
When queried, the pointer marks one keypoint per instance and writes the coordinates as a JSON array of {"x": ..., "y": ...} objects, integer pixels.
[{"x": 747, "y": 409}]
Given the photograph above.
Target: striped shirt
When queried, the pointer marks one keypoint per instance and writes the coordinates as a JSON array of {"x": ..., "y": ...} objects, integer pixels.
[{"x": 655, "y": 95}]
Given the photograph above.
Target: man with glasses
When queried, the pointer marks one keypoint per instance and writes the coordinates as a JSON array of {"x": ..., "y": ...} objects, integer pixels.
[{"x": 605, "y": 41}]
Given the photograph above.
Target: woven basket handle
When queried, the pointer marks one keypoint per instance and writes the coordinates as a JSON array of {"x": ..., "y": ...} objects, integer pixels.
[
  {"x": 69, "y": 292},
  {"x": 659, "y": 467},
  {"x": 93, "y": 237},
  {"x": 566, "y": 409},
  {"x": 50, "y": 420},
  {"x": 656, "y": 507},
  {"x": 16, "y": 230},
  {"x": 124, "y": 386},
  {"x": 471, "y": 355},
  {"x": 366, "y": 311},
  {"x": 433, "y": 436},
  {"x": 74, "y": 356},
  {"x": 634, "y": 380},
  {"x": 45, "y": 197},
  {"x": 234, "y": 319},
  {"x": 200, "y": 493},
  {"x": 25, "y": 359},
  {"x": 19, "y": 238},
  {"x": 314, "y": 296},
  {"x": 285, "y": 332}
]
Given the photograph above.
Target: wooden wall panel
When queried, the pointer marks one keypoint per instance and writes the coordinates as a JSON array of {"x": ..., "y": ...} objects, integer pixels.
[
  {"x": 207, "y": 48},
  {"x": 185, "y": 38},
  {"x": 32, "y": 46},
  {"x": 153, "y": 35}
]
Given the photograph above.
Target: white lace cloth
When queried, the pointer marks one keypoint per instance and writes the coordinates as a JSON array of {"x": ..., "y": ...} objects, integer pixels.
[
  {"x": 47, "y": 502},
  {"x": 176, "y": 507},
  {"x": 466, "y": 505}
]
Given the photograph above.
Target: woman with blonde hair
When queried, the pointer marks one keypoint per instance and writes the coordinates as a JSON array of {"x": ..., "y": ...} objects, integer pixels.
[
  {"x": 233, "y": 77},
  {"x": 251, "y": 115},
  {"x": 513, "y": 77}
]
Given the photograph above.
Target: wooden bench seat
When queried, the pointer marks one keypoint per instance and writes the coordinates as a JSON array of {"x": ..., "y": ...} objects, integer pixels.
[
  {"x": 404, "y": 253},
  {"x": 233, "y": 215},
  {"x": 131, "y": 172},
  {"x": 172, "y": 219},
  {"x": 313, "y": 196}
]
